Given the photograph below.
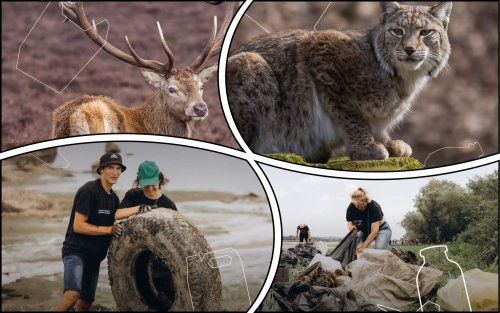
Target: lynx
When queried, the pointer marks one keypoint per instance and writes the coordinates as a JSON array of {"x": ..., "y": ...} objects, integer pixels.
[{"x": 310, "y": 92}]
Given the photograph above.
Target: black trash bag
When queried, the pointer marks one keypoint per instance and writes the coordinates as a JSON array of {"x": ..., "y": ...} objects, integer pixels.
[
  {"x": 288, "y": 257},
  {"x": 297, "y": 296},
  {"x": 304, "y": 251},
  {"x": 283, "y": 294},
  {"x": 324, "y": 299},
  {"x": 345, "y": 252}
]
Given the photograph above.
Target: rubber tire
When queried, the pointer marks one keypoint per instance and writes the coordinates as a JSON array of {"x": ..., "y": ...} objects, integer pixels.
[{"x": 172, "y": 237}]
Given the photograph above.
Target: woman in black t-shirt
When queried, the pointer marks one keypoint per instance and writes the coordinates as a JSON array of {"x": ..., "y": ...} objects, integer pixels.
[
  {"x": 146, "y": 193},
  {"x": 366, "y": 216}
]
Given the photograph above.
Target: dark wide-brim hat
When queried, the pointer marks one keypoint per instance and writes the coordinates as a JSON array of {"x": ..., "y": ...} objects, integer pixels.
[{"x": 111, "y": 158}]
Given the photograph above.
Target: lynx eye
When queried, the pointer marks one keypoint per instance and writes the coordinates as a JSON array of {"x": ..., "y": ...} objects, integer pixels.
[
  {"x": 426, "y": 32},
  {"x": 397, "y": 32}
]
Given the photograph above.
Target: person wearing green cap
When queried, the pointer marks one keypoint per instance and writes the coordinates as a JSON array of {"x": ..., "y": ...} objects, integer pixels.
[{"x": 146, "y": 194}]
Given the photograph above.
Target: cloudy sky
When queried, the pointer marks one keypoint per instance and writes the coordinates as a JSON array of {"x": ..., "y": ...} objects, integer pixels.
[
  {"x": 188, "y": 169},
  {"x": 321, "y": 202}
]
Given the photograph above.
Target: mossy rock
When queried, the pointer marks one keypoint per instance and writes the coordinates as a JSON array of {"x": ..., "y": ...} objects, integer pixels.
[{"x": 345, "y": 164}]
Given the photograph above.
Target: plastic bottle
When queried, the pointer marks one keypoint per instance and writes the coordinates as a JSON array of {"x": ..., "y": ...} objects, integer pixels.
[
  {"x": 451, "y": 261},
  {"x": 322, "y": 247}
]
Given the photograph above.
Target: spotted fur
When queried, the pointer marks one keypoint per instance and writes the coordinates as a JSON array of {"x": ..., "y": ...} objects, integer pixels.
[{"x": 309, "y": 92}]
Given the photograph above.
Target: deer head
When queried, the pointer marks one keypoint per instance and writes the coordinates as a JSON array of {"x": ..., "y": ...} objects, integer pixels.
[{"x": 181, "y": 89}]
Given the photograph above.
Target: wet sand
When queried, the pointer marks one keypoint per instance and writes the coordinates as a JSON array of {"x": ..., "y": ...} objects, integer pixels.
[{"x": 42, "y": 294}]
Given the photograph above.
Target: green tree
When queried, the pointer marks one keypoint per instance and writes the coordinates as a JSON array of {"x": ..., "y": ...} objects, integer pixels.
[
  {"x": 483, "y": 227},
  {"x": 441, "y": 212}
]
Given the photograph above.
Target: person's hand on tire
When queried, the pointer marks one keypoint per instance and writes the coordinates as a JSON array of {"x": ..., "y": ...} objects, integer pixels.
[
  {"x": 116, "y": 230},
  {"x": 143, "y": 208}
]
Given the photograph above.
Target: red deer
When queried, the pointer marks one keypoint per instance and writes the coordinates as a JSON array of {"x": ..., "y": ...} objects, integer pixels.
[{"x": 170, "y": 111}]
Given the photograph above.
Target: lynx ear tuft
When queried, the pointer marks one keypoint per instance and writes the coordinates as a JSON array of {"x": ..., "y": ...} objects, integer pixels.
[
  {"x": 442, "y": 12},
  {"x": 388, "y": 8}
]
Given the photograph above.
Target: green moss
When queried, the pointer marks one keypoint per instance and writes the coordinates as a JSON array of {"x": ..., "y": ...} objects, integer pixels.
[
  {"x": 344, "y": 163},
  {"x": 288, "y": 157}
]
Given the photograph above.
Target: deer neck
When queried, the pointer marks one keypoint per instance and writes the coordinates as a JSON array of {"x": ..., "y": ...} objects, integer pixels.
[{"x": 157, "y": 118}]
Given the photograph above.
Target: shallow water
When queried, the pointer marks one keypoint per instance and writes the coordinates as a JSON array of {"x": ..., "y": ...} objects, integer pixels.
[{"x": 31, "y": 247}]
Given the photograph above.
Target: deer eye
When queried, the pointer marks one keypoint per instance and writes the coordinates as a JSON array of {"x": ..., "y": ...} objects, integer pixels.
[
  {"x": 397, "y": 32},
  {"x": 172, "y": 90},
  {"x": 201, "y": 87},
  {"x": 426, "y": 32}
]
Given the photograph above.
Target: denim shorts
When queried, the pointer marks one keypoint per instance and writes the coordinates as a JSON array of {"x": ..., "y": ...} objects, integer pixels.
[{"x": 81, "y": 276}]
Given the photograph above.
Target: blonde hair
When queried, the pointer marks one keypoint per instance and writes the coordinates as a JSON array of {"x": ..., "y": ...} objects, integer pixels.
[{"x": 360, "y": 194}]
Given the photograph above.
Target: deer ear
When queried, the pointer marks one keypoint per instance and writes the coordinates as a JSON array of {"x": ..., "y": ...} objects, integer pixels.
[
  {"x": 388, "y": 7},
  {"x": 207, "y": 72},
  {"x": 153, "y": 78},
  {"x": 442, "y": 12}
]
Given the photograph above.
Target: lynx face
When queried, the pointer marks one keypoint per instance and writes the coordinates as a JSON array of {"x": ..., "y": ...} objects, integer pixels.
[{"x": 414, "y": 38}]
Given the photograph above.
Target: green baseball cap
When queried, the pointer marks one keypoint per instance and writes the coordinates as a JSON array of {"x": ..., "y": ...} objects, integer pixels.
[{"x": 148, "y": 174}]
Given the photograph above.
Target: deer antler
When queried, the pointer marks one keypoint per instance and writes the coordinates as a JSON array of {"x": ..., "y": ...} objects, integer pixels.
[
  {"x": 74, "y": 11},
  {"x": 215, "y": 42}
]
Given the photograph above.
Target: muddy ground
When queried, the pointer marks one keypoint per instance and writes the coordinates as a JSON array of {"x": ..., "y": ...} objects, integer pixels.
[{"x": 56, "y": 51}]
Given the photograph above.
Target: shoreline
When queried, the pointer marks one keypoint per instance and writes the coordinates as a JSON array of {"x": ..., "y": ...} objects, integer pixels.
[{"x": 18, "y": 201}]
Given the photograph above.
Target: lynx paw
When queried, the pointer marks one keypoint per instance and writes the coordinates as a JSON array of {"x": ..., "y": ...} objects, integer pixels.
[
  {"x": 372, "y": 151},
  {"x": 398, "y": 148}
]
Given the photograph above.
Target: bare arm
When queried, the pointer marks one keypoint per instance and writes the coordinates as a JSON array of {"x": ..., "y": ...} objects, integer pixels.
[
  {"x": 126, "y": 212},
  {"x": 81, "y": 226},
  {"x": 372, "y": 235},
  {"x": 350, "y": 226}
]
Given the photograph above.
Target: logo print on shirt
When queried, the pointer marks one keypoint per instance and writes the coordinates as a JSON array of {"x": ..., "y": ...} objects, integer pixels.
[{"x": 104, "y": 212}]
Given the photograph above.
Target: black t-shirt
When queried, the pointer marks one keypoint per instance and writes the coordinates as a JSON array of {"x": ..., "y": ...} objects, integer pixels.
[
  {"x": 304, "y": 230},
  {"x": 136, "y": 196},
  {"x": 94, "y": 202},
  {"x": 372, "y": 213}
]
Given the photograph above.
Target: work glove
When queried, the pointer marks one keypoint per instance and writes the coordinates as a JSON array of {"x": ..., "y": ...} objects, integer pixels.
[
  {"x": 146, "y": 208},
  {"x": 116, "y": 230}
]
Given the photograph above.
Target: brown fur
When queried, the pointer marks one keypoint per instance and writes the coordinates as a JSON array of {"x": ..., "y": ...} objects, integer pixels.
[
  {"x": 164, "y": 113},
  {"x": 309, "y": 92}
]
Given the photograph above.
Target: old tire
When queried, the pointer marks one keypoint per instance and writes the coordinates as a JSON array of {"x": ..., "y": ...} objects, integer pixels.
[{"x": 165, "y": 235}]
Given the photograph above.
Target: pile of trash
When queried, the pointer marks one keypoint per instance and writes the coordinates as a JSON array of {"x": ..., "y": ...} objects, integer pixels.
[
  {"x": 344, "y": 281},
  {"x": 300, "y": 253},
  {"x": 373, "y": 280},
  {"x": 375, "y": 277}
]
